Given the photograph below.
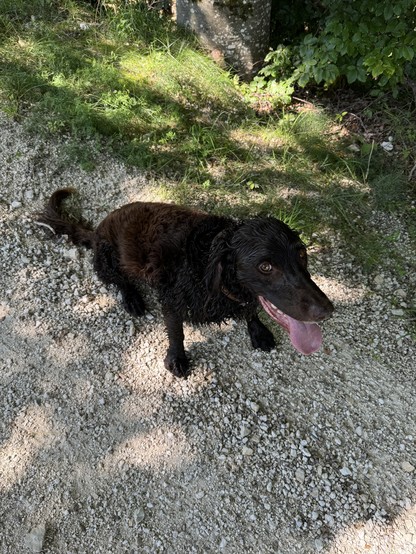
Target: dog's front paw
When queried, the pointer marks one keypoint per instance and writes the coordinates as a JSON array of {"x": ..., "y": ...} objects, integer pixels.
[
  {"x": 264, "y": 342},
  {"x": 177, "y": 364}
]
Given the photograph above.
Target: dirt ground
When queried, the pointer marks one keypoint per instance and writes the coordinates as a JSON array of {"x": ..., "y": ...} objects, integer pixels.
[{"x": 101, "y": 450}]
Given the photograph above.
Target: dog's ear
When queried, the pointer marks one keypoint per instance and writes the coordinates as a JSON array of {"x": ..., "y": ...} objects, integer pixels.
[{"x": 218, "y": 255}]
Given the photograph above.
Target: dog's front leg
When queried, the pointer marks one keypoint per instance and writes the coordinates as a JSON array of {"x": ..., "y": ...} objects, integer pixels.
[
  {"x": 260, "y": 336},
  {"x": 176, "y": 361}
]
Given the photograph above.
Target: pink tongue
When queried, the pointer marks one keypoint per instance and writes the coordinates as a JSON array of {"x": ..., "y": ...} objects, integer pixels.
[{"x": 305, "y": 337}]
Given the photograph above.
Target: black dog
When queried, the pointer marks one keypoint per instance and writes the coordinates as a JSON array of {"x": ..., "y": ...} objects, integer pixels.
[{"x": 205, "y": 268}]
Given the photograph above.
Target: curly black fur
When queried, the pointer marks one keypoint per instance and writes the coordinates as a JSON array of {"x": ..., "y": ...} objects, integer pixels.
[{"x": 205, "y": 268}]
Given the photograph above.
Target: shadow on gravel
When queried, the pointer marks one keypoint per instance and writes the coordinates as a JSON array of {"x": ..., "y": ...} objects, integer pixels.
[{"x": 269, "y": 453}]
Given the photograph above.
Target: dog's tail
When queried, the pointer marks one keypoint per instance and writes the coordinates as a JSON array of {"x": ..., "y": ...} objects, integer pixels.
[{"x": 79, "y": 231}]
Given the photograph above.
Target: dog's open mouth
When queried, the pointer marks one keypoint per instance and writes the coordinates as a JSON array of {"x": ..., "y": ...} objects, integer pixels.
[{"x": 305, "y": 337}]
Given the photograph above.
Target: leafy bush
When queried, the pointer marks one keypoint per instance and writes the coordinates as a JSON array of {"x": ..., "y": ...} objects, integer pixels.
[
  {"x": 367, "y": 41},
  {"x": 275, "y": 80}
]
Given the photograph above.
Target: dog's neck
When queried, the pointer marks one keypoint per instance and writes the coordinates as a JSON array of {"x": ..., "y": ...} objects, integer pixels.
[{"x": 232, "y": 296}]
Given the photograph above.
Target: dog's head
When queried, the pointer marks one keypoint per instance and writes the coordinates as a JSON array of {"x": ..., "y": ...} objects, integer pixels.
[{"x": 268, "y": 259}]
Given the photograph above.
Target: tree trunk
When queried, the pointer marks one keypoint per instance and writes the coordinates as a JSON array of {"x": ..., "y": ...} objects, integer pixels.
[{"x": 237, "y": 29}]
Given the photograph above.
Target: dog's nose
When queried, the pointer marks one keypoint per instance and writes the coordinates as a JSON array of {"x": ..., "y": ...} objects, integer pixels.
[{"x": 321, "y": 311}]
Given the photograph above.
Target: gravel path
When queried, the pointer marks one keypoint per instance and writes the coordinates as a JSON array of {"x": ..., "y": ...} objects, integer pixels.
[{"x": 101, "y": 450}]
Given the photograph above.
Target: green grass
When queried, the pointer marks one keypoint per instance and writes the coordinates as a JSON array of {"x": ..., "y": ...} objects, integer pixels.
[{"x": 127, "y": 82}]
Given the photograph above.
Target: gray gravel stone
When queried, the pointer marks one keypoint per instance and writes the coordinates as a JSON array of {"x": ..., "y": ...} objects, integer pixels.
[{"x": 34, "y": 539}]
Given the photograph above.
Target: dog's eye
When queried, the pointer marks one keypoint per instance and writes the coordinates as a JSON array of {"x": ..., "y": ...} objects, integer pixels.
[{"x": 265, "y": 267}]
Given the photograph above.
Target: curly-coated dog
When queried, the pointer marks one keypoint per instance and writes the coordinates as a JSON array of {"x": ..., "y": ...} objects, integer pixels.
[{"x": 205, "y": 268}]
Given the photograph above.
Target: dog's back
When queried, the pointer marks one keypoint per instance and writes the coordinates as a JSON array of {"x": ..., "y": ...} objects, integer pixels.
[{"x": 149, "y": 238}]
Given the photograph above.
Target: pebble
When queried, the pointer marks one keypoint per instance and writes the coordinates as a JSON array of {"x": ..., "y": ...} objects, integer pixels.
[
  {"x": 34, "y": 539},
  {"x": 223, "y": 543},
  {"x": 329, "y": 519},
  {"x": 244, "y": 431},
  {"x": 300, "y": 475},
  {"x": 408, "y": 467},
  {"x": 139, "y": 515},
  {"x": 246, "y": 451},
  {"x": 379, "y": 279},
  {"x": 72, "y": 254},
  {"x": 387, "y": 145}
]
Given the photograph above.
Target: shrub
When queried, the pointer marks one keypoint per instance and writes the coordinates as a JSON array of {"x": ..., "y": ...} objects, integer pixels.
[{"x": 367, "y": 41}]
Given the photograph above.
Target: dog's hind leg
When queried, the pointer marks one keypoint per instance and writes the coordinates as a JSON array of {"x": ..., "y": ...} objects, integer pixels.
[
  {"x": 107, "y": 267},
  {"x": 260, "y": 336},
  {"x": 176, "y": 361}
]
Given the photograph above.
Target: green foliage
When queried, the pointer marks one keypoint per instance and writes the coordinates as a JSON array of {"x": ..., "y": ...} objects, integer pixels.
[
  {"x": 372, "y": 42},
  {"x": 275, "y": 80}
]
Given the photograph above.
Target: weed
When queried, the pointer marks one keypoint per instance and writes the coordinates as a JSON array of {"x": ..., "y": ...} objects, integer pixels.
[
  {"x": 389, "y": 190},
  {"x": 293, "y": 216}
]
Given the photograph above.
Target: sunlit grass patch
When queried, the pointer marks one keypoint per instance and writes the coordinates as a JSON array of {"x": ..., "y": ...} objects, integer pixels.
[
  {"x": 126, "y": 82},
  {"x": 185, "y": 76}
]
